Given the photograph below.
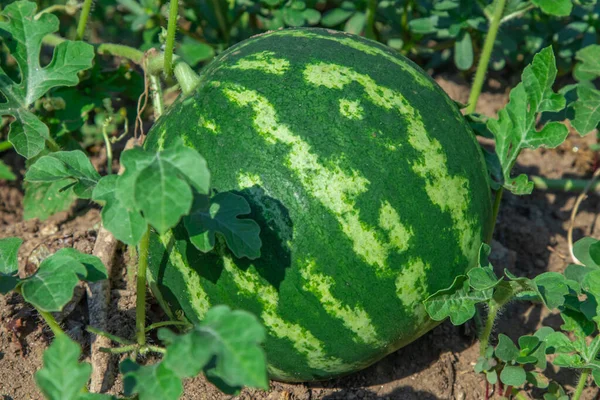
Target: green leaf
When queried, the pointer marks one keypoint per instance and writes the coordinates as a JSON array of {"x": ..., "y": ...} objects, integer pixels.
[
  {"x": 6, "y": 173},
  {"x": 126, "y": 225},
  {"x": 43, "y": 200},
  {"x": 560, "y": 8},
  {"x": 221, "y": 215},
  {"x": 233, "y": 337},
  {"x": 160, "y": 184},
  {"x": 569, "y": 361},
  {"x": 193, "y": 51},
  {"x": 51, "y": 287},
  {"x": 95, "y": 270},
  {"x": 587, "y": 110},
  {"x": 457, "y": 302},
  {"x": 515, "y": 130},
  {"x": 558, "y": 342},
  {"x": 27, "y": 133},
  {"x": 483, "y": 278},
  {"x": 63, "y": 377},
  {"x": 356, "y": 23},
  {"x": 536, "y": 379},
  {"x": 506, "y": 349},
  {"x": 151, "y": 382},
  {"x": 9, "y": 250},
  {"x": 513, "y": 375},
  {"x": 424, "y": 25},
  {"x": 226, "y": 344},
  {"x": 74, "y": 166},
  {"x": 528, "y": 344},
  {"x": 552, "y": 288},
  {"x": 587, "y": 250},
  {"x": 463, "y": 52},
  {"x": 9, "y": 265},
  {"x": 293, "y": 17},
  {"x": 335, "y": 17},
  {"x": 312, "y": 16},
  {"x": 596, "y": 376},
  {"x": 590, "y": 62}
]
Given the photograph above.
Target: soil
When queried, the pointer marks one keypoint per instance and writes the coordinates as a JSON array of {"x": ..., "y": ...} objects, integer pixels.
[{"x": 530, "y": 239}]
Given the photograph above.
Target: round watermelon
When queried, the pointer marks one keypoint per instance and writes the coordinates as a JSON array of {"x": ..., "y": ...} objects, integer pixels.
[{"x": 369, "y": 188}]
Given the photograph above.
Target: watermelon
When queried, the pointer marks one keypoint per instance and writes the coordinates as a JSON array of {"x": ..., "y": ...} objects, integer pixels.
[{"x": 369, "y": 187}]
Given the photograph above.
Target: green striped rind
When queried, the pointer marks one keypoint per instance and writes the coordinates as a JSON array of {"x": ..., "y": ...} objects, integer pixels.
[{"x": 369, "y": 188}]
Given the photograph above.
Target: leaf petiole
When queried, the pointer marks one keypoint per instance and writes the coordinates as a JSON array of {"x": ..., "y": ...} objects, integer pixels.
[
  {"x": 140, "y": 302},
  {"x": 167, "y": 323}
]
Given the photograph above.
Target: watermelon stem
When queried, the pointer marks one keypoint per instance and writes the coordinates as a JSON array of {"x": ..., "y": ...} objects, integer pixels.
[
  {"x": 564, "y": 185},
  {"x": 170, "y": 42},
  {"x": 484, "y": 58},
  {"x": 370, "y": 32},
  {"x": 505, "y": 292},
  {"x": 581, "y": 383},
  {"x": 140, "y": 301},
  {"x": 495, "y": 210},
  {"x": 5, "y": 145},
  {"x": 83, "y": 18}
]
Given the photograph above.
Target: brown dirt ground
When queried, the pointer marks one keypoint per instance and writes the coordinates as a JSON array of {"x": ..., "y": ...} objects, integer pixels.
[{"x": 531, "y": 238}]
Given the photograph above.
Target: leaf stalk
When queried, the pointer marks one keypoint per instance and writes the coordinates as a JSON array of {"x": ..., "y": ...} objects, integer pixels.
[
  {"x": 484, "y": 58},
  {"x": 170, "y": 43},
  {"x": 83, "y": 18},
  {"x": 581, "y": 383},
  {"x": 140, "y": 302}
]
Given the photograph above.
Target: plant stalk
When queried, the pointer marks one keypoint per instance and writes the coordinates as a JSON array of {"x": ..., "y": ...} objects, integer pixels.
[
  {"x": 370, "y": 26},
  {"x": 484, "y": 337},
  {"x": 83, "y": 18},
  {"x": 495, "y": 210},
  {"x": 157, "y": 96},
  {"x": 49, "y": 319},
  {"x": 581, "y": 384},
  {"x": 108, "y": 144},
  {"x": 166, "y": 323},
  {"x": 6, "y": 145},
  {"x": 484, "y": 58},
  {"x": 170, "y": 43},
  {"x": 564, "y": 185},
  {"x": 120, "y": 50},
  {"x": 140, "y": 302},
  {"x": 222, "y": 21}
]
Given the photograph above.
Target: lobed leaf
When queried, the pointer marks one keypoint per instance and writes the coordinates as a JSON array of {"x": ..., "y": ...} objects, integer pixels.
[
  {"x": 74, "y": 166},
  {"x": 43, "y": 200},
  {"x": 125, "y": 224},
  {"x": 27, "y": 133},
  {"x": 160, "y": 184},
  {"x": 225, "y": 345},
  {"x": 559, "y": 8},
  {"x": 515, "y": 129},
  {"x": 587, "y": 110},
  {"x": 6, "y": 173},
  {"x": 51, "y": 287},
  {"x": 221, "y": 215},
  {"x": 457, "y": 302},
  {"x": 63, "y": 377},
  {"x": 9, "y": 266}
]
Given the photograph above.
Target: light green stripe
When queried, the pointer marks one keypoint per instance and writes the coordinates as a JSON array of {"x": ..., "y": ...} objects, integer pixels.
[
  {"x": 411, "y": 283},
  {"x": 197, "y": 296},
  {"x": 348, "y": 40},
  {"x": 335, "y": 189},
  {"x": 356, "y": 319},
  {"x": 251, "y": 284},
  {"x": 265, "y": 61},
  {"x": 450, "y": 193},
  {"x": 351, "y": 109}
]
